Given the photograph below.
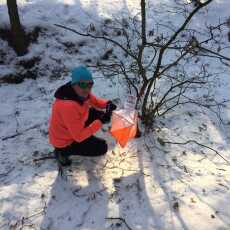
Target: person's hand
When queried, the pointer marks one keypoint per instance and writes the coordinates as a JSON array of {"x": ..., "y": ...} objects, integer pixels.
[
  {"x": 110, "y": 107},
  {"x": 106, "y": 117}
]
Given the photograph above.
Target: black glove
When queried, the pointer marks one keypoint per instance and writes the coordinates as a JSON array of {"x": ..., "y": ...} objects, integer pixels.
[
  {"x": 110, "y": 106},
  {"x": 106, "y": 117}
]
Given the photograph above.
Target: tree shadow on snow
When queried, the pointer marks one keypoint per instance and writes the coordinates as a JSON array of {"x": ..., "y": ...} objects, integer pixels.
[
  {"x": 148, "y": 202},
  {"x": 78, "y": 198}
]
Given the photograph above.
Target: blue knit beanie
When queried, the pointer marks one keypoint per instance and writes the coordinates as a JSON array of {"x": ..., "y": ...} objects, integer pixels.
[{"x": 80, "y": 73}]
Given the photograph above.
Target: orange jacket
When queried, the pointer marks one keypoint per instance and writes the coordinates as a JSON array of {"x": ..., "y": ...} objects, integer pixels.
[{"x": 68, "y": 117}]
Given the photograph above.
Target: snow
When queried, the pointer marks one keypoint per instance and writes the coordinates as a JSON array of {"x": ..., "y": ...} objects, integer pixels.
[{"x": 148, "y": 184}]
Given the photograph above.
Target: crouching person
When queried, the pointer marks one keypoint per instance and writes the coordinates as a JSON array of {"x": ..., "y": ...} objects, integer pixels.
[{"x": 75, "y": 118}]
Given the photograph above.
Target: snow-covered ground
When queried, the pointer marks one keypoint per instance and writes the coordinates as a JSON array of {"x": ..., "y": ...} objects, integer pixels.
[{"x": 147, "y": 185}]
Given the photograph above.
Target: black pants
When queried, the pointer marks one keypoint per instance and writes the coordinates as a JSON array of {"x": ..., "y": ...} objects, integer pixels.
[{"x": 92, "y": 146}]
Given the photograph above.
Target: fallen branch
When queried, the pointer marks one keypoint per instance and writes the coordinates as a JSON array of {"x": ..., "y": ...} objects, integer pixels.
[
  {"x": 20, "y": 133},
  {"x": 121, "y": 219},
  {"x": 202, "y": 145},
  {"x": 43, "y": 158}
]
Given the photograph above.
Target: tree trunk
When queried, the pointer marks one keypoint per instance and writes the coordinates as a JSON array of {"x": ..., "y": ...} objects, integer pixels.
[
  {"x": 143, "y": 22},
  {"x": 18, "y": 34}
]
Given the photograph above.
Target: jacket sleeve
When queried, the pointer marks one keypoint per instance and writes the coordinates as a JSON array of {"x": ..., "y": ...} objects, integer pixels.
[
  {"x": 98, "y": 102},
  {"x": 75, "y": 124}
]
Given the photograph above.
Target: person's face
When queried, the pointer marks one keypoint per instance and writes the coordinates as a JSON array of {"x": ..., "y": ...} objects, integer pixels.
[{"x": 83, "y": 88}]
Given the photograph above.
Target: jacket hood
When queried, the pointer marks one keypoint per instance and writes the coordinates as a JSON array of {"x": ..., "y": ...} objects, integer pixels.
[{"x": 66, "y": 92}]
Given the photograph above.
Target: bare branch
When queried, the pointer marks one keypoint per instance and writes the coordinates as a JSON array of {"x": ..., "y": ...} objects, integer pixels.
[
  {"x": 162, "y": 50},
  {"x": 217, "y": 55},
  {"x": 190, "y": 81},
  {"x": 173, "y": 63},
  {"x": 188, "y": 19},
  {"x": 98, "y": 37}
]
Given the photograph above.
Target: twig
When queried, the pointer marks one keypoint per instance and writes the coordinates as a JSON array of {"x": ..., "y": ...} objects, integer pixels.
[
  {"x": 9, "y": 171},
  {"x": 202, "y": 145},
  {"x": 4, "y": 225},
  {"x": 99, "y": 192},
  {"x": 35, "y": 214},
  {"x": 21, "y": 223},
  {"x": 84, "y": 215},
  {"x": 121, "y": 219}
]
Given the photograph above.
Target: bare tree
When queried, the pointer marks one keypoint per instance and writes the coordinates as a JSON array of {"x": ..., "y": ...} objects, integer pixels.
[
  {"x": 165, "y": 62},
  {"x": 18, "y": 34}
]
